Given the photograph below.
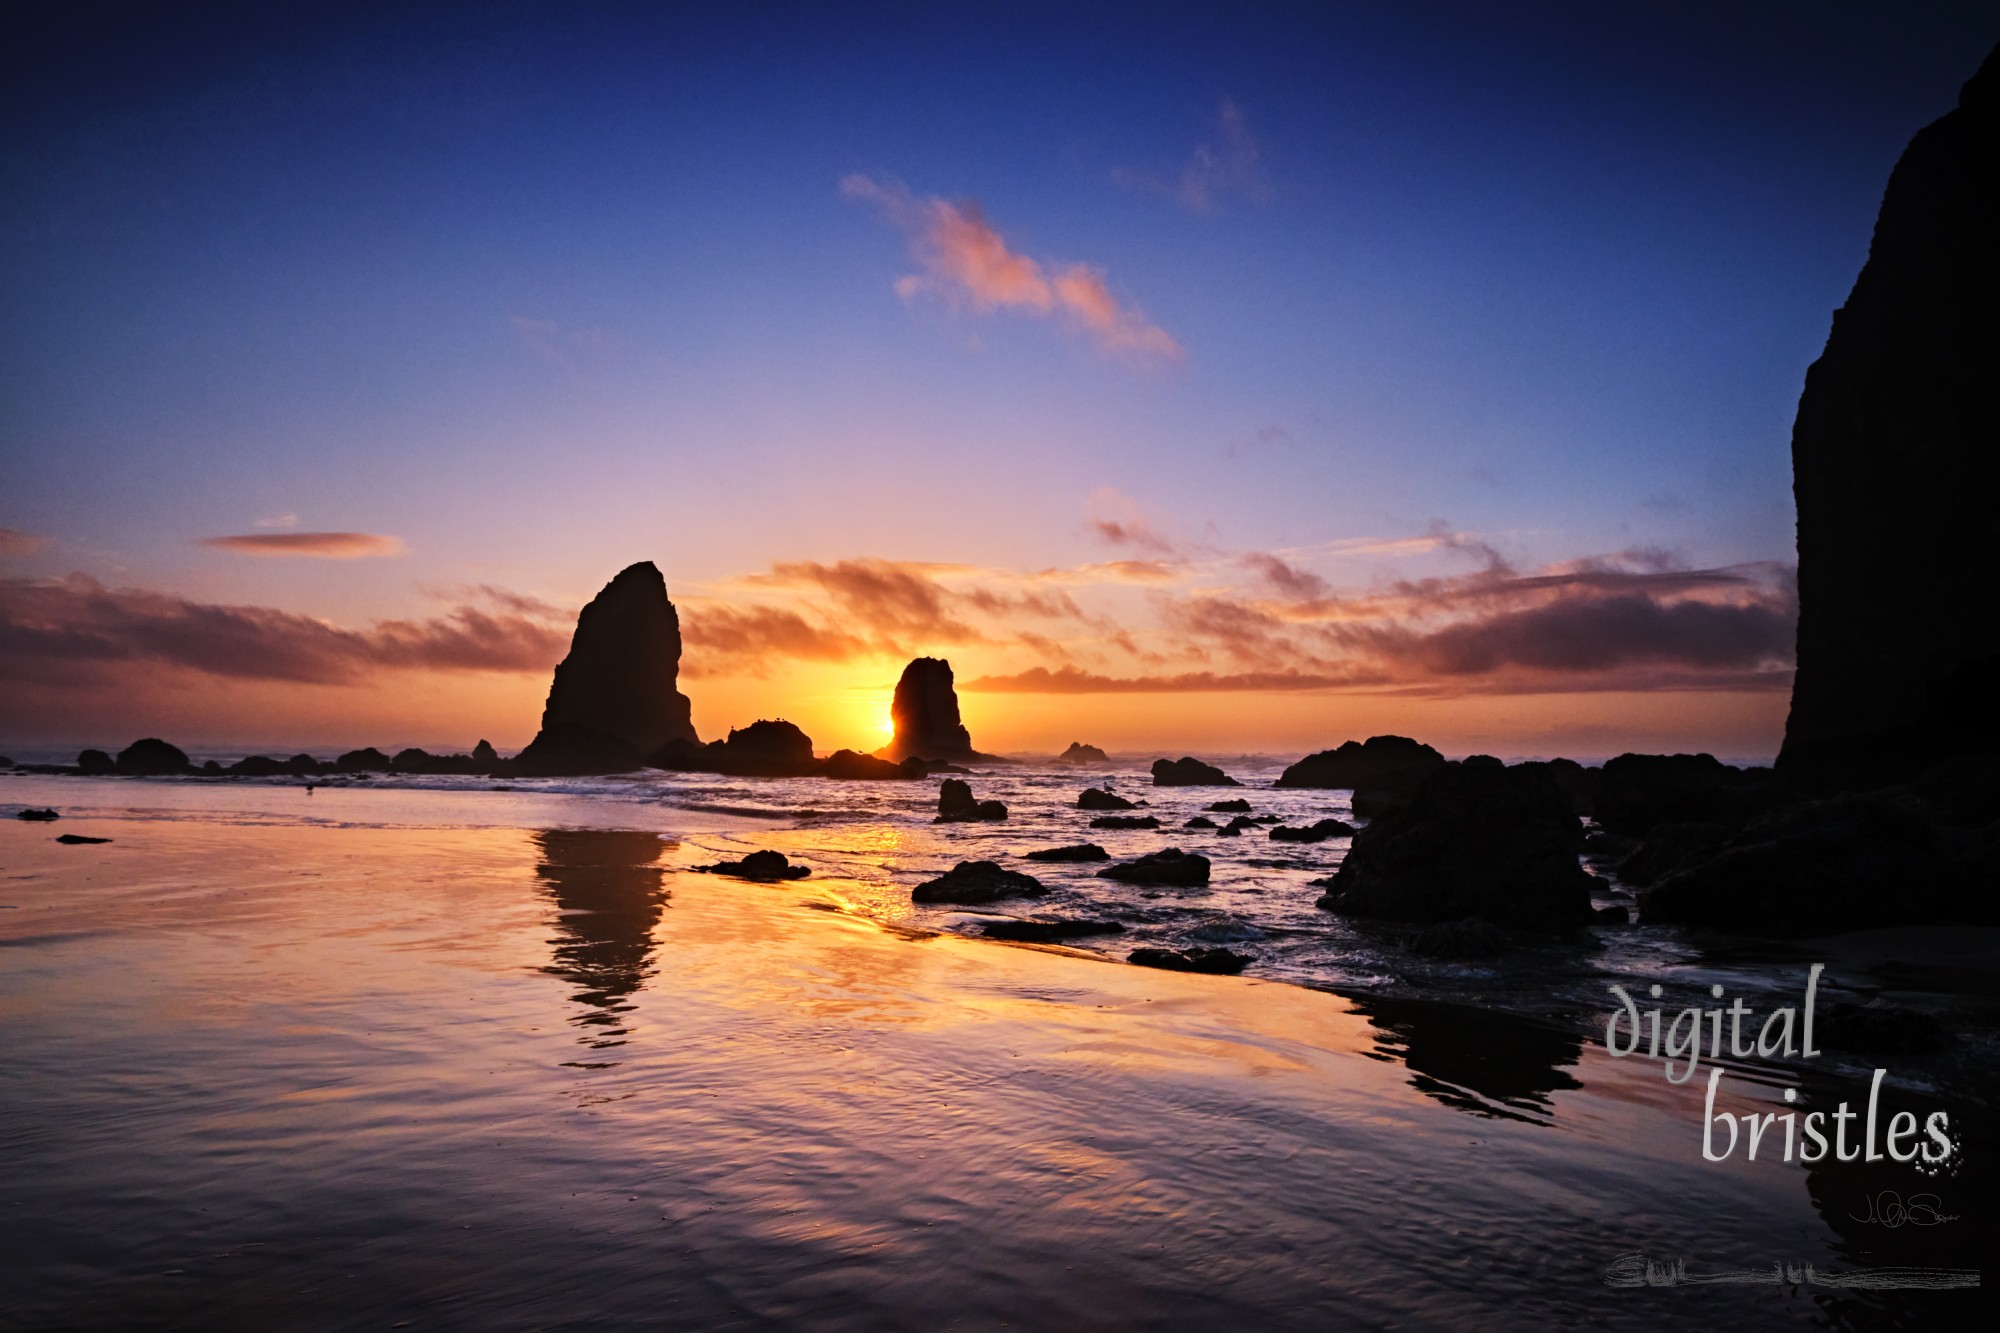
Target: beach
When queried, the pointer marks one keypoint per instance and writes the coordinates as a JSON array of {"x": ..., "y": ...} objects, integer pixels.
[{"x": 500, "y": 1060}]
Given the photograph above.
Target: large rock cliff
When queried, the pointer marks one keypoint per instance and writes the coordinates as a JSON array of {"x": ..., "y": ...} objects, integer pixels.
[
  {"x": 1899, "y": 551},
  {"x": 613, "y": 700},
  {"x": 925, "y": 712}
]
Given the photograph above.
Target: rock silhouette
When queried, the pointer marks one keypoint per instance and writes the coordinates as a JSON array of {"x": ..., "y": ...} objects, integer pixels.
[
  {"x": 764, "y": 749},
  {"x": 1317, "y": 832},
  {"x": 1049, "y": 932},
  {"x": 1170, "y": 866},
  {"x": 925, "y": 714},
  {"x": 1380, "y": 762},
  {"x": 93, "y": 763},
  {"x": 152, "y": 757},
  {"x": 1898, "y": 653},
  {"x": 957, "y": 805},
  {"x": 1083, "y": 755},
  {"x": 973, "y": 882},
  {"x": 613, "y": 700},
  {"x": 1087, "y": 851},
  {"x": 1220, "y": 962},
  {"x": 1189, "y": 772},
  {"x": 1096, "y": 798},
  {"x": 1475, "y": 839}
]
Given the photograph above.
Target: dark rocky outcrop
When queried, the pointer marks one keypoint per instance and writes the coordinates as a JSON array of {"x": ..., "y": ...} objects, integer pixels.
[
  {"x": 1095, "y": 798},
  {"x": 1125, "y": 821},
  {"x": 853, "y": 766},
  {"x": 971, "y": 883},
  {"x": 258, "y": 766},
  {"x": 1474, "y": 839},
  {"x": 1083, "y": 756},
  {"x": 1386, "y": 763},
  {"x": 1849, "y": 862},
  {"x": 1670, "y": 848},
  {"x": 1049, "y": 931},
  {"x": 1234, "y": 828},
  {"x": 1201, "y": 822},
  {"x": 1170, "y": 866},
  {"x": 765, "y": 865},
  {"x": 1238, "y": 806},
  {"x": 95, "y": 763},
  {"x": 37, "y": 816},
  {"x": 563, "y": 750},
  {"x": 925, "y": 714},
  {"x": 1189, "y": 772},
  {"x": 1319, "y": 832},
  {"x": 764, "y": 749},
  {"x": 1637, "y": 791},
  {"x": 79, "y": 840},
  {"x": 367, "y": 760},
  {"x": 304, "y": 765},
  {"x": 1087, "y": 851},
  {"x": 957, "y": 805},
  {"x": 152, "y": 758},
  {"x": 1470, "y": 938},
  {"x": 484, "y": 754},
  {"x": 1899, "y": 551},
  {"x": 1220, "y": 962},
  {"x": 613, "y": 700}
]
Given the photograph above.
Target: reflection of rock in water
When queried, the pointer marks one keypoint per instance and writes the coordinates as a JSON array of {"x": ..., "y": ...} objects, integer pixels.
[
  {"x": 1473, "y": 1059},
  {"x": 610, "y": 897}
]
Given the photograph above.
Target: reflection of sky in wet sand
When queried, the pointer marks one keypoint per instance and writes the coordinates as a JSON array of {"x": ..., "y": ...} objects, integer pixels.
[
  {"x": 246, "y": 1062},
  {"x": 609, "y": 895}
]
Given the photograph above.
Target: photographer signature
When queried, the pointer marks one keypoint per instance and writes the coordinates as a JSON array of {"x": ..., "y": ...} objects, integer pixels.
[{"x": 1888, "y": 1209}]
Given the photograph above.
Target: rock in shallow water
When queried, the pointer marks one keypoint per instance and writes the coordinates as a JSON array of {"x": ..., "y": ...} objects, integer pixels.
[
  {"x": 1169, "y": 866},
  {"x": 1096, "y": 798},
  {"x": 970, "y": 883},
  {"x": 79, "y": 840},
  {"x": 759, "y": 865},
  {"x": 1474, "y": 839},
  {"x": 1125, "y": 821},
  {"x": 1320, "y": 832},
  {"x": 1087, "y": 851},
  {"x": 956, "y": 804},
  {"x": 41, "y": 816},
  {"x": 1218, "y": 961},
  {"x": 1048, "y": 932},
  {"x": 1188, "y": 771},
  {"x": 1385, "y": 763},
  {"x": 152, "y": 757}
]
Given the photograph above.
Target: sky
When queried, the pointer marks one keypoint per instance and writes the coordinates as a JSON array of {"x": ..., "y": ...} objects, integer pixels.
[{"x": 1224, "y": 378}]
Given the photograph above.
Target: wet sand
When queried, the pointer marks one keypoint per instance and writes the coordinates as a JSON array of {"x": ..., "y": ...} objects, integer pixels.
[{"x": 268, "y": 1074}]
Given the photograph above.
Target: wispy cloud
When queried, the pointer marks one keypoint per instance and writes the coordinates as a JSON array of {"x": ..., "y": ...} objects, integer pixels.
[
  {"x": 968, "y": 264},
  {"x": 1118, "y": 520},
  {"x": 316, "y": 545},
  {"x": 20, "y": 543},
  {"x": 55, "y": 631},
  {"x": 1228, "y": 163},
  {"x": 284, "y": 521}
]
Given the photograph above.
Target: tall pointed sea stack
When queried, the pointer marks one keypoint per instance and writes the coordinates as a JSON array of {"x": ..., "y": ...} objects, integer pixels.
[
  {"x": 613, "y": 701},
  {"x": 1899, "y": 551},
  {"x": 925, "y": 711}
]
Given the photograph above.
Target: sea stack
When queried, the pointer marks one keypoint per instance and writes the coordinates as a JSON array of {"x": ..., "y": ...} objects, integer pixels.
[
  {"x": 925, "y": 712},
  {"x": 613, "y": 700},
  {"x": 1899, "y": 551}
]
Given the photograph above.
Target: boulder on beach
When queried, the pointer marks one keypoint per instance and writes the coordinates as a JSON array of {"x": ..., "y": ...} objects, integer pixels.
[
  {"x": 957, "y": 805},
  {"x": 304, "y": 765},
  {"x": 95, "y": 763},
  {"x": 1189, "y": 772},
  {"x": 924, "y": 712},
  {"x": 1318, "y": 832},
  {"x": 758, "y": 865},
  {"x": 1220, "y": 962},
  {"x": 1048, "y": 931},
  {"x": 1238, "y": 806},
  {"x": 79, "y": 840},
  {"x": 37, "y": 816},
  {"x": 1096, "y": 798},
  {"x": 152, "y": 758},
  {"x": 1085, "y": 851},
  {"x": 613, "y": 699},
  {"x": 1474, "y": 839},
  {"x": 1170, "y": 866},
  {"x": 970, "y": 883},
  {"x": 1898, "y": 656},
  {"x": 1384, "y": 763},
  {"x": 1083, "y": 756},
  {"x": 1125, "y": 821}
]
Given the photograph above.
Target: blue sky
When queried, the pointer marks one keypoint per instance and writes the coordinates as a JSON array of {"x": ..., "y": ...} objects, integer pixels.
[{"x": 539, "y": 290}]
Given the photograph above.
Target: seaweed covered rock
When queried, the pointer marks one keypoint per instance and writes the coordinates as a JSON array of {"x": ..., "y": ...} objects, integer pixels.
[{"x": 1474, "y": 839}]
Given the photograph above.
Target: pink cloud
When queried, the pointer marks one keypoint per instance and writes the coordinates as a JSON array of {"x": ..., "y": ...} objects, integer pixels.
[
  {"x": 317, "y": 545},
  {"x": 966, "y": 261}
]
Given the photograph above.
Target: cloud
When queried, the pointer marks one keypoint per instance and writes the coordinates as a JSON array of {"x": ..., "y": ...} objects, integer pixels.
[
  {"x": 722, "y": 639},
  {"x": 277, "y": 521},
  {"x": 967, "y": 263},
  {"x": 1069, "y": 680},
  {"x": 1284, "y": 578},
  {"x": 20, "y": 543},
  {"x": 53, "y": 631},
  {"x": 1118, "y": 521},
  {"x": 1227, "y": 164},
  {"x": 317, "y": 545}
]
